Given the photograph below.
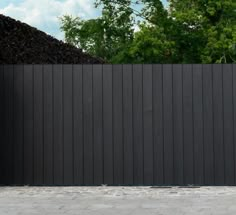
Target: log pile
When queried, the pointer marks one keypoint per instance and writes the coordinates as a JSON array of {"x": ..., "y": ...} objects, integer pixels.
[{"x": 23, "y": 44}]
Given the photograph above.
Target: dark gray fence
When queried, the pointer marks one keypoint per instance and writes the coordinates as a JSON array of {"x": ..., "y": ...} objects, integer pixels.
[{"x": 118, "y": 124}]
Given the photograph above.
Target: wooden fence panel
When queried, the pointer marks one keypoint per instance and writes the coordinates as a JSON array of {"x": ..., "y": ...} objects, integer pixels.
[
  {"x": 128, "y": 123},
  {"x": 168, "y": 124},
  {"x": 58, "y": 167},
  {"x": 198, "y": 125},
  {"x": 48, "y": 123},
  {"x": 208, "y": 139},
  {"x": 78, "y": 151},
  {"x": 158, "y": 139},
  {"x": 28, "y": 124},
  {"x": 108, "y": 124},
  {"x": 228, "y": 124},
  {"x": 88, "y": 123},
  {"x": 38, "y": 125},
  {"x": 118, "y": 124},
  {"x": 68, "y": 125},
  {"x": 178, "y": 125},
  {"x": 2, "y": 123},
  {"x": 147, "y": 124},
  {"x": 18, "y": 151},
  {"x": 188, "y": 124},
  {"x": 138, "y": 124},
  {"x": 98, "y": 124},
  {"x": 218, "y": 124}
]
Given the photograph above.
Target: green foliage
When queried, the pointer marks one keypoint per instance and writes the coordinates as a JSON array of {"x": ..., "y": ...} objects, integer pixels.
[
  {"x": 146, "y": 48},
  {"x": 188, "y": 31},
  {"x": 85, "y": 34},
  {"x": 105, "y": 36},
  {"x": 210, "y": 25}
]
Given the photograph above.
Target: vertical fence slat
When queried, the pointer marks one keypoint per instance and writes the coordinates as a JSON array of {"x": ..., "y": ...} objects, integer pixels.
[
  {"x": 198, "y": 125},
  {"x": 158, "y": 125},
  {"x": 97, "y": 121},
  {"x": 5, "y": 128},
  {"x": 28, "y": 124},
  {"x": 218, "y": 124},
  {"x": 18, "y": 124},
  {"x": 168, "y": 125},
  {"x": 208, "y": 125},
  {"x": 58, "y": 125},
  {"x": 228, "y": 124},
  {"x": 107, "y": 124},
  {"x": 10, "y": 146},
  {"x": 2, "y": 123},
  {"x": 78, "y": 124},
  {"x": 234, "y": 117},
  {"x": 178, "y": 124},
  {"x": 9, "y": 88},
  {"x": 147, "y": 124},
  {"x": 48, "y": 124},
  {"x": 88, "y": 123},
  {"x": 118, "y": 128},
  {"x": 128, "y": 124},
  {"x": 38, "y": 124},
  {"x": 188, "y": 124},
  {"x": 7, "y": 125},
  {"x": 138, "y": 123},
  {"x": 68, "y": 125}
]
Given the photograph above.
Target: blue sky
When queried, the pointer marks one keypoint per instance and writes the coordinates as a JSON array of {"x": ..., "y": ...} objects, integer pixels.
[{"x": 43, "y": 14}]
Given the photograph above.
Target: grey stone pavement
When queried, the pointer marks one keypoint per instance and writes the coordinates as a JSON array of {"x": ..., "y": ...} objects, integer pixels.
[{"x": 117, "y": 200}]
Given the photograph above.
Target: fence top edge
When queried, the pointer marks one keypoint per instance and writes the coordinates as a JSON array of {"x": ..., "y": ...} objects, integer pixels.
[{"x": 60, "y": 64}]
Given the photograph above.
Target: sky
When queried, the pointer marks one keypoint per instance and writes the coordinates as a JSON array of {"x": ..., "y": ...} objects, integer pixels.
[{"x": 43, "y": 14}]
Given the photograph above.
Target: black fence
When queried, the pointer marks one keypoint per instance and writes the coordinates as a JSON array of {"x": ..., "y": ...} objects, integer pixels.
[{"x": 118, "y": 124}]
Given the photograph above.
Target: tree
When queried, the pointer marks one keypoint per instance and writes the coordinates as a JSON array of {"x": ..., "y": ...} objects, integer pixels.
[
  {"x": 105, "y": 36},
  {"x": 85, "y": 34},
  {"x": 188, "y": 31},
  {"x": 210, "y": 26}
]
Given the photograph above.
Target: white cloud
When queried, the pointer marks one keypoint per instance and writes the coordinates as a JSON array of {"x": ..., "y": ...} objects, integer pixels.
[{"x": 44, "y": 14}]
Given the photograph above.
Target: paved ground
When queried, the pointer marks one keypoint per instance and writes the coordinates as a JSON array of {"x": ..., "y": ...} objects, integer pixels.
[{"x": 117, "y": 200}]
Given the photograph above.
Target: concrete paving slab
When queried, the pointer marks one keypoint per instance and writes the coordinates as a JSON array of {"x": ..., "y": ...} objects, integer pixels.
[{"x": 117, "y": 201}]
